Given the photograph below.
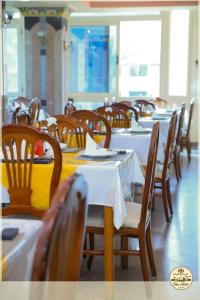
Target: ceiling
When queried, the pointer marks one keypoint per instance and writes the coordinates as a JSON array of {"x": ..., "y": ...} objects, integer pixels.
[{"x": 98, "y": 5}]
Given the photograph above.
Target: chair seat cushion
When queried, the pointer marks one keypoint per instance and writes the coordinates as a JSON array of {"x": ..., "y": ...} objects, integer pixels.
[
  {"x": 158, "y": 170},
  {"x": 95, "y": 215}
]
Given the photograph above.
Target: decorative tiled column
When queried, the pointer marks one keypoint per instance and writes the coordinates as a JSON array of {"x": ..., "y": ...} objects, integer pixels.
[{"x": 45, "y": 61}]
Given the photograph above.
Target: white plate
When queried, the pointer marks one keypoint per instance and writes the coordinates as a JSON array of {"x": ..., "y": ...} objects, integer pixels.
[{"x": 101, "y": 153}]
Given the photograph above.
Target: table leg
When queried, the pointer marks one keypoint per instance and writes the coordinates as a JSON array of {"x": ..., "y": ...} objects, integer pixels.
[{"x": 108, "y": 244}]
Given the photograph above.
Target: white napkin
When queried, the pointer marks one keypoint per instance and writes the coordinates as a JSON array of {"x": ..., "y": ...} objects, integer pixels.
[
  {"x": 154, "y": 114},
  {"x": 23, "y": 106},
  {"x": 134, "y": 123},
  {"x": 51, "y": 121},
  {"x": 174, "y": 106},
  {"x": 108, "y": 109},
  {"x": 90, "y": 143},
  {"x": 133, "y": 103}
]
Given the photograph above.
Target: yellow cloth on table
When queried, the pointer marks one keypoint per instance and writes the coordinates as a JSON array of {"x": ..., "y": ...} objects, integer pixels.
[
  {"x": 41, "y": 177},
  {"x": 3, "y": 265},
  {"x": 97, "y": 138}
]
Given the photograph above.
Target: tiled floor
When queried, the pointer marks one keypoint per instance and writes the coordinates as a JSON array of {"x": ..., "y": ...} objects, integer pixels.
[{"x": 175, "y": 244}]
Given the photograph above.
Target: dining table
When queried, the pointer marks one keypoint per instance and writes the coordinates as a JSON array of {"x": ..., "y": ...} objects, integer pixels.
[
  {"x": 18, "y": 253},
  {"x": 139, "y": 141},
  {"x": 109, "y": 185},
  {"x": 148, "y": 122}
]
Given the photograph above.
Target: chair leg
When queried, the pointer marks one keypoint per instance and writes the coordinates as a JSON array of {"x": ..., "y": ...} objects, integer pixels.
[
  {"x": 150, "y": 252},
  {"x": 124, "y": 246},
  {"x": 165, "y": 204},
  {"x": 91, "y": 245},
  {"x": 169, "y": 197},
  {"x": 143, "y": 260},
  {"x": 153, "y": 202},
  {"x": 176, "y": 167},
  {"x": 179, "y": 164},
  {"x": 85, "y": 245},
  {"x": 188, "y": 147}
]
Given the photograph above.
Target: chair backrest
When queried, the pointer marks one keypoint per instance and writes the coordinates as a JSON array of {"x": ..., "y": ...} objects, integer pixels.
[
  {"x": 18, "y": 145},
  {"x": 126, "y": 108},
  {"x": 34, "y": 110},
  {"x": 128, "y": 103},
  {"x": 69, "y": 108},
  {"x": 150, "y": 171},
  {"x": 143, "y": 105},
  {"x": 161, "y": 103},
  {"x": 170, "y": 144},
  {"x": 51, "y": 129},
  {"x": 20, "y": 117},
  {"x": 60, "y": 243},
  {"x": 94, "y": 122},
  {"x": 21, "y": 100},
  {"x": 180, "y": 125},
  {"x": 116, "y": 118},
  {"x": 190, "y": 117},
  {"x": 72, "y": 131}
]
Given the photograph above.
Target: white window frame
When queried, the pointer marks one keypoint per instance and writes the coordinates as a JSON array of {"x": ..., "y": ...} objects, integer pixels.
[
  {"x": 19, "y": 25},
  {"x": 164, "y": 17}
]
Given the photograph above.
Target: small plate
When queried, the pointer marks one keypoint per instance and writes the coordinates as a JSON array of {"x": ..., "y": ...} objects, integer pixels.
[
  {"x": 99, "y": 154},
  {"x": 140, "y": 130},
  {"x": 160, "y": 118}
]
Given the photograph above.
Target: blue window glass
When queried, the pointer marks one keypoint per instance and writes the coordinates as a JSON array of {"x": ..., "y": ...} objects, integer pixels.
[{"x": 90, "y": 59}]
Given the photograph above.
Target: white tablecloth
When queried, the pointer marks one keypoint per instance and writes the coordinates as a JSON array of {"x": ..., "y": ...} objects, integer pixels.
[
  {"x": 139, "y": 143},
  {"x": 148, "y": 122},
  {"x": 19, "y": 252},
  {"x": 109, "y": 183}
]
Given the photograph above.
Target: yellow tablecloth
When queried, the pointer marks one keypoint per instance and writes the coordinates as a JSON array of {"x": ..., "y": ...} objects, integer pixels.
[{"x": 41, "y": 177}]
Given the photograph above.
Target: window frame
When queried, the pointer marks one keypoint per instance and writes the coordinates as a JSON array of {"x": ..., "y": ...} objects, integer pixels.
[{"x": 164, "y": 17}]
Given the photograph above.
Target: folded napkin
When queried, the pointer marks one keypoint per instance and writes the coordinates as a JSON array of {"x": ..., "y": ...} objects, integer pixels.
[
  {"x": 154, "y": 114},
  {"x": 23, "y": 106},
  {"x": 108, "y": 109},
  {"x": 51, "y": 121},
  {"x": 174, "y": 106},
  {"x": 134, "y": 123},
  {"x": 90, "y": 143}
]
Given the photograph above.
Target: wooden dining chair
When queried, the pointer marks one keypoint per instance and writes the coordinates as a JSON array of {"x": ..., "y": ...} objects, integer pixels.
[
  {"x": 18, "y": 145},
  {"x": 137, "y": 223},
  {"x": 51, "y": 129},
  {"x": 69, "y": 108},
  {"x": 60, "y": 241},
  {"x": 34, "y": 110},
  {"x": 95, "y": 122},
  {"x": 126, "y": 109},
  {"x": 116, "y": 118},
  {"x": 20, "y": 117},
  {"x": 72, "y": 131},
  {"x": 185, "y": 136},
  {"x": 177, "y": 146},
  {"x": 162, "y": 176},
  {"x": 161, "y": 103},
  {"x": 21, "y": 100},
  {"x": 143, "y": 105}
]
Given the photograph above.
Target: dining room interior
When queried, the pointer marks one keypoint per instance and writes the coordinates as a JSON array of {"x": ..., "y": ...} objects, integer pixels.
[{"x": 99, "y": 152}]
